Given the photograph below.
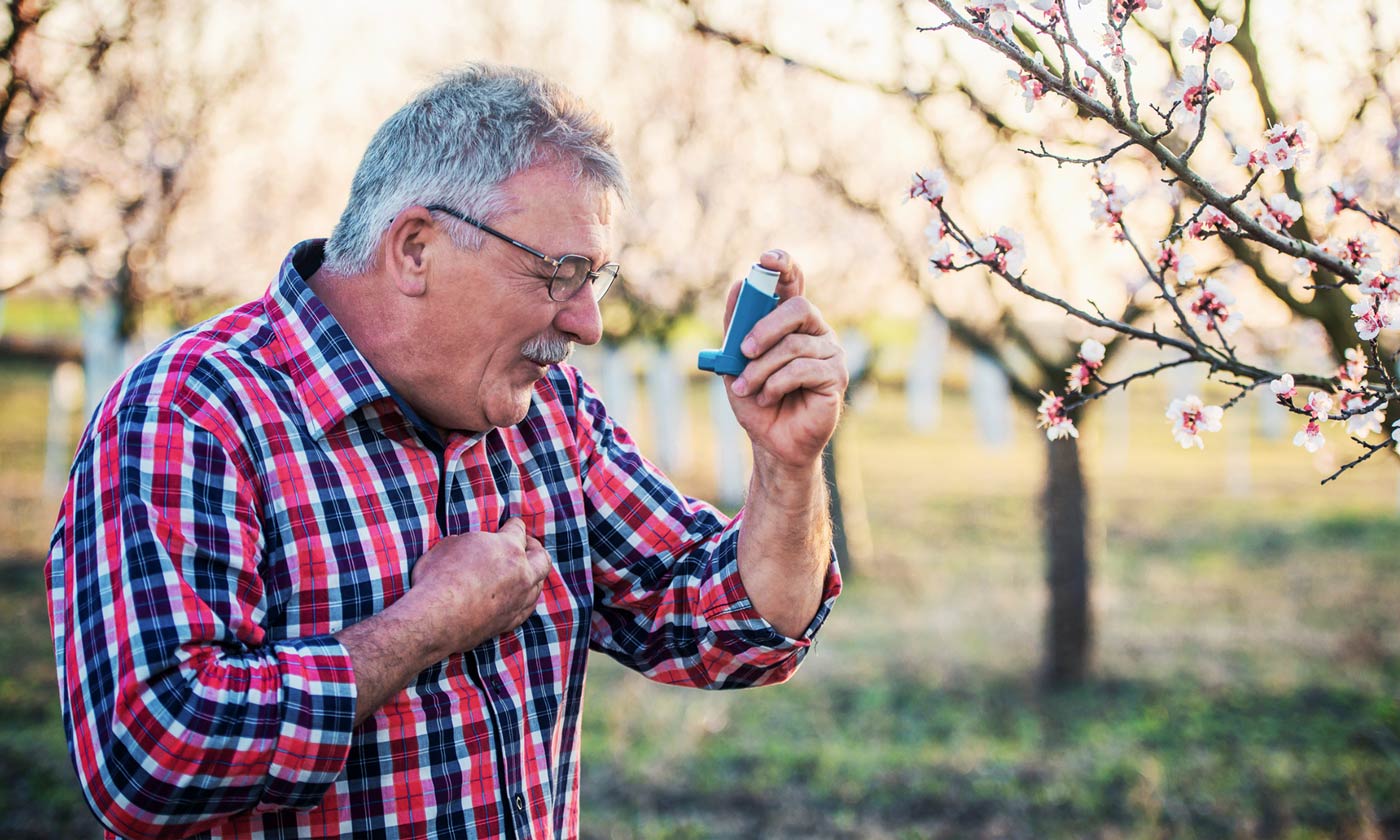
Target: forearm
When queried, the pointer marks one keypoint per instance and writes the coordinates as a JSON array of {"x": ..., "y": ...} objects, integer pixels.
[
  {"x": 785, "y": 543},
  {"x": 388, "y": 650}
]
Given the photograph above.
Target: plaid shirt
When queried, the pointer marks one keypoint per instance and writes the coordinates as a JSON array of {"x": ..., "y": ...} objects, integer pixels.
[{"x": 252, "y": 487}]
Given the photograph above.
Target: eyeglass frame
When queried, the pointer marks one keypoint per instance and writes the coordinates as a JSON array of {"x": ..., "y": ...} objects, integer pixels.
[{"x": 589, "y": 276}]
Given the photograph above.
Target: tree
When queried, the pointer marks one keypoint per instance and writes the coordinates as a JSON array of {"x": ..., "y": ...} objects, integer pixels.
[
  {"x": 1253, "y": 224},
  {"x": 932, "y": 86},
  {"x": 105, "y": 114}
]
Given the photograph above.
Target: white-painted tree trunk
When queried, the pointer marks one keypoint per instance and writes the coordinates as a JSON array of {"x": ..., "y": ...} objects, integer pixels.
[
  {"x": 991, "y": 401},
  {"x": 104, "y": 354},
  {"x": 731, "y": 461},
  {"x": 618, "y": 385},
  {"x": 65, "y": 397},
  {"x": 924, "y": 380},
  {"x": 669, "y": 410}
]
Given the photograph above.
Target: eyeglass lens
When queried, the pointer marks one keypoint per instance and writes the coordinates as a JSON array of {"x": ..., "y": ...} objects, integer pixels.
[{"x": 573, "y": 271}]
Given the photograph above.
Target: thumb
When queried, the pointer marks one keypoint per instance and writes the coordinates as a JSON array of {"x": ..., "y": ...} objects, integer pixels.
[{"x": 514, "y": 528}]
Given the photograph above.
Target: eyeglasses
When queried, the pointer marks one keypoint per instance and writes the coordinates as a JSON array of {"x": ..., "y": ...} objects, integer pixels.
[{"x": 571, "y": 271}]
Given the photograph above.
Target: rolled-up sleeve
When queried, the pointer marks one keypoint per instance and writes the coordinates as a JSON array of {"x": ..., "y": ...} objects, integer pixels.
[
  {"x": 669, "y": 599},
  {"x": 180, "y": 710}
]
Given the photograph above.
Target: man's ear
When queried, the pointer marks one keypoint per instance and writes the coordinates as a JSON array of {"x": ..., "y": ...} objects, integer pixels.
[{"x": 407, "y": 250}]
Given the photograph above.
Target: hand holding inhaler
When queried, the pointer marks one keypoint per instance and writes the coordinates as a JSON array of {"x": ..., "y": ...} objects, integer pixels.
[
  {"x": 788, "y": 389},
  {"x": 757, "y": 297}
]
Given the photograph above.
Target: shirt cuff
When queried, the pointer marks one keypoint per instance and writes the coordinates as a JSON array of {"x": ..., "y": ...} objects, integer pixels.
[
  {"x": 318, "y": 717},
  {"x": 728, "y": 610}
]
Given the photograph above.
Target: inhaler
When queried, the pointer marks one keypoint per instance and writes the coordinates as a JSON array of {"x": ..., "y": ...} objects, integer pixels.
[{"x": 756, "y": 298}]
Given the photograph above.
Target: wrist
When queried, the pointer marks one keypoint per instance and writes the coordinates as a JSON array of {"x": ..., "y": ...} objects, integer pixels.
[
  {"x": 785, "y": 485},
  {"x": 421, "y": 609}
]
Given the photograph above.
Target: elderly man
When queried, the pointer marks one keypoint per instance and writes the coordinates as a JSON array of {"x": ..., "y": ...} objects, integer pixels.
[{"x": 331, "y": 563}]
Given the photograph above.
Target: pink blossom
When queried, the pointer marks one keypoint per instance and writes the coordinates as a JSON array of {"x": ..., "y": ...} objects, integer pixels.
[
  {"x": 1283, "y": 145},
  {"x": 1087, "y": 80},
  {"x": 1353, "y": 371},
  {"x": 1344, "y": 197},
  {"x": 1362, "y": 423},
  {"x": 1305, "y": 267},
  {"x": 941, "y": 261},
  {"x": 1108, "y": 207},
  {"x": 1358, "y": 251},
  {"x": 1032, "y": 89},
  {"x": 1294, "y": 136},
  {"x": 1052, "y": 418},
  {"x": 1370, "y": 318},
  {"x": 1190, "y": 417},
  {"x": 1212, "y": 309},
  {"x": 1003, "y": 250},
  {"x": 998, "y": 16},
  {"x": 1255, "y": 158},
  {"x": 1310, "y": 438},
  {"x": 1218, "y": 32},
  {"x": 1319, "y": 404},
  {"x": 1172, "y": 259},
  {"x": 1194, "y": 90},
  {"x": 1211, "y": 221},
  {"x": 1283, "y": 210},
  {"x": 934, "y": 231},
  {"x": 1117, "y": 55},
  {"x": 1049, "y": 8},
  {"x": 1381, "y": 284},
  {"x": 1081, "y": 373},
  {"x": 1120, "y": 10},
  {"x": 931, "y": 184},
  {"x": 1283, "y": 388}
]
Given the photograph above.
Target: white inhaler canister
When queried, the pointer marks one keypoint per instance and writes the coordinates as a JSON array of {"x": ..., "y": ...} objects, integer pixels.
[{"x": 757, "y": 297}]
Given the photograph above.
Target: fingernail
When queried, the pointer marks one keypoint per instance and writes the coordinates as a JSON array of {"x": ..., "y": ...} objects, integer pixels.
[
  {"x": 749, "y": 346},
  {"x": 740, "y": 386},
  {"x": 774, "y": 254}
]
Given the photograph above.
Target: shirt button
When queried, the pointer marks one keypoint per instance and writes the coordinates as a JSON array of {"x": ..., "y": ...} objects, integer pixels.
[{"x": 519, "y": 802}]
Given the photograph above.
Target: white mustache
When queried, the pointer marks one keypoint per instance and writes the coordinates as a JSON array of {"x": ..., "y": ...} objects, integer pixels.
[{"x": 547, "y": 349}]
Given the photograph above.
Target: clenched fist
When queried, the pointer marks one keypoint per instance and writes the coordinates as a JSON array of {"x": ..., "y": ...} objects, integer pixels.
[{"x": 479, "y": 585}]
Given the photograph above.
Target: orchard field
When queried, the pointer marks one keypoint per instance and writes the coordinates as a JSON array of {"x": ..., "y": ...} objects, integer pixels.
[{"x": 1247, "y": 664}]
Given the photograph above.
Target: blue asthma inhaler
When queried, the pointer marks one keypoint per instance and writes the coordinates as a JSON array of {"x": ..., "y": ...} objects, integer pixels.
[{"x": 756, "y": 299}]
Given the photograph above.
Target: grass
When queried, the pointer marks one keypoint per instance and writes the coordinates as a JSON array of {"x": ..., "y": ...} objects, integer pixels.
[{"x": 1247, "y": 665}]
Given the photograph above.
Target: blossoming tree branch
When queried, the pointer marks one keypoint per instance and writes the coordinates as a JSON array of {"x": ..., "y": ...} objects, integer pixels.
[{"x": 1097, "y": 80}]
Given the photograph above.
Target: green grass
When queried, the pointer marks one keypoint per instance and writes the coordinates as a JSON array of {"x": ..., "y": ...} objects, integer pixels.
[{"x": 1247, "y": 659}]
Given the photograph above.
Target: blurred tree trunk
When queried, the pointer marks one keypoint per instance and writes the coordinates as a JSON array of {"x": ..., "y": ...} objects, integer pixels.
[
  {"x": 1068, "y": 617},
  {"x": 838, "y": 519}
]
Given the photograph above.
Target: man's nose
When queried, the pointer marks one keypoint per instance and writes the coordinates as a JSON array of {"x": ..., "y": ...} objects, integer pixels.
[{"x": 578, "y": 317}]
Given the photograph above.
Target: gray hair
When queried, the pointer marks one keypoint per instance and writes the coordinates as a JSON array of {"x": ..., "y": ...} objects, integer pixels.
[{"x": 454, "y": 145}]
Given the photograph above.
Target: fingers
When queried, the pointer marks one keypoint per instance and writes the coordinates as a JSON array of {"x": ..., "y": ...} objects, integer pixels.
[
  {"x": 514, "y": 528},
  {"x": 791, "y": 347},
  {"x": 821, "y": 376},
  {"x": 791, "y": 283},
  {"x": 537, "y": 559},
  {"x": 795, "y": 315}
]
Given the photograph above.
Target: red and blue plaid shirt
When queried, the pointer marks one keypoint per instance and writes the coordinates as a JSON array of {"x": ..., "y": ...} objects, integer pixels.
[{"x": 252, "y": 487}]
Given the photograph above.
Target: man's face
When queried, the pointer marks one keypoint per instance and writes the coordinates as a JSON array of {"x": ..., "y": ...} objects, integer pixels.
[{"x": 491, "y": 328}]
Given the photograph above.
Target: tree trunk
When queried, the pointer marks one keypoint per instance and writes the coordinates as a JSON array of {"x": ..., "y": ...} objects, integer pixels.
[
  {"x": 1068, "y": 624},
  {"x": 838, "y": 519}
]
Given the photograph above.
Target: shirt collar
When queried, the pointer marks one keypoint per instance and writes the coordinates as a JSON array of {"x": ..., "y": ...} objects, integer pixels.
[{"x": 332, "y": 379}]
